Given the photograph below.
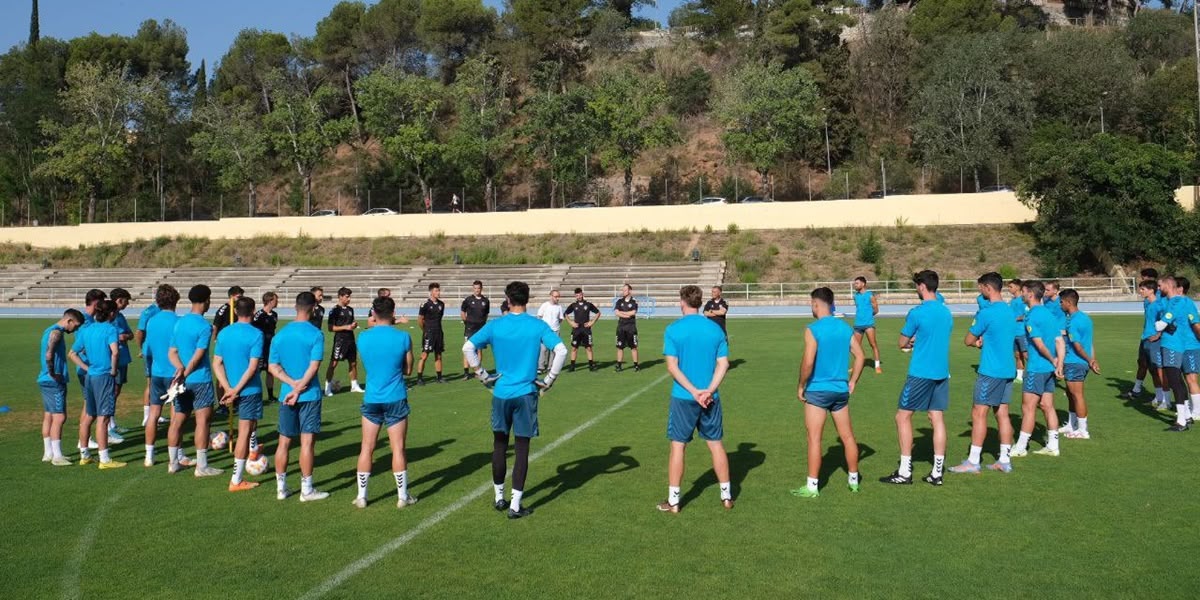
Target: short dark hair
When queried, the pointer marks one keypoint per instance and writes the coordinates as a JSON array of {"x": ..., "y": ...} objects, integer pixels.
[
  {"x": 824, "y": 295},
  {"x": 718, "y": 288},
  {"x": 236, "y": 291},
  {"x": 477, "y": 282},
  {"x": 199, "y": 293},
  {"x": 517, "y": 293},
  {"x": 345, "y": 291},
  {"x": 1069, "y": 295},
  {"x": 691, "y": 295},
  {"x": 1184, "y": 283},
  {"x": 244, "y": 307},
  {"x": 578, "y": 290},
  {"x": 120, "y": 294},
  {"x": 1052, "y": 282},
  {"x": 94, "y": 295},
  {"x": 991, "y": 279},
  {"x": 269, "y": 296},
  {"x": 927, "y": 277},
  {"x": 166, "y": 296},
  {"x": 383, "y": 307},
  {"x": 105, "y": 309},
  {"x": 626, "y": 285},
  {"x": 381, "y": 292},
  {"x": 74, "y": 315},
  {"x": 435, "y": 286},
  {"x": 1014, "y": 281},
  {"x": 1149, "y": 284},
  {"x": 314, "y": 289},
  {"x": 859, "y": 278},
  {"x": 305, "y": 301},
  {"x": 1038, "y": 288},
  {"x": 1149, "y": 273}
]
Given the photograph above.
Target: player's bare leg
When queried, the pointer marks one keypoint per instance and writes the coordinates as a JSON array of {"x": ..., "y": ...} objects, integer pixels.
[{"x": 720, "y": 462}]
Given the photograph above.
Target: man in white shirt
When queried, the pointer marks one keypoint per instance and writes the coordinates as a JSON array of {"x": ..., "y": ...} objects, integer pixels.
[{"x": 552, "y": 313}]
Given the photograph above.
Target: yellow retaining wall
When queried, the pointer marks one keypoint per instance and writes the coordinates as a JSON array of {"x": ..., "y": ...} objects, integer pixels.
[{"x": 942, "y": 209}]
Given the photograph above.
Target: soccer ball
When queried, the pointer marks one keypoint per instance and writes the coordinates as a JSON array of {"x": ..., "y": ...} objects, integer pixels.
[
  {"x": 257, "y": 466},
  {"x": 218, "y": 440}
]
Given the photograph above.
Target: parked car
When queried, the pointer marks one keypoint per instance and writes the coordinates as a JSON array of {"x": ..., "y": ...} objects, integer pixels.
[
  {"x": 997, "y": 188},
  {"x": 582, "y": 204},
  {"x": 374, "y": 212},
  {"x": 324, "y": 213},
  {"x": 886, "y": 193},
  {"x": 754, "y": 200},
  {"x": 712, "y": 200}
]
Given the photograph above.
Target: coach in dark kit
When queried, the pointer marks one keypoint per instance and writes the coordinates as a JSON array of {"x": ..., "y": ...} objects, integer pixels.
[
  {"x": 475, "y": 310},
  {"x": 716, "y": 308},
  {"x": 580, "y": 316}
]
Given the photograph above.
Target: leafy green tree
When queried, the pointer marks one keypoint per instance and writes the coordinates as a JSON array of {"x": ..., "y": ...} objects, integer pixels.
[
  {"x": 623, "y": 7},
  {"x": 552, "y": 29},
  {"x": 1107, "y": 199},
  {"x": 932, "y": 19},
  {"x": 30, "y": 78},
  {"x": 454, "y": 30},
  {"x": 245, "y": 70},
  {"x": 627, "y": 109},
  {"x": 558, "y": 135},
  {"x": 406, "y": 114},
  {"x": 1076, "y": 72},
  {"x": 1166, "y": 108},
  {"x": 713, "y": 18},
  {"x": 390, "y": 35},
  {"x": 1157, "y": 38},
  {"x": 200, "y": 83},
  {"x": 35, "y": 32},
  {"x": 767, "y": 113},
  {"x": 882, "y": 68},
  {"x": 302, "y": 127},
  {"x": 338, "y": 46},
  {"x": 482, "y": 135},
  {"x": 160, "y": 49},
  {"x": 801, "y": 31},
  {"x": 232, "y": 139}
]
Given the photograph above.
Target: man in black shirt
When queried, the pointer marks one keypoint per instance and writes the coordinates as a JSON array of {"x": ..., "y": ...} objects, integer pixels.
[
  {"x": 579, "y": 315},
  {"x": 342, "y": 324},
  {"x": 317, "y": 316},
  {"x": 429, "y": 317},
  {"x": 716, "y": 308},
  {"x": 225, "y": 315},
  {"x": 475, "y": 310},
  {"x": 626, "y": 309},
  {"x": 265, "y": 320}
]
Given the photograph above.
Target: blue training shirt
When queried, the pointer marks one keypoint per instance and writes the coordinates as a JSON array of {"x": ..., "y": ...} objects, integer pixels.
[
  {"x": 88, "y": 319},
  {"x": 1079, "y": 331},
  {"x": 1018, "y": 309},
  {"x": 236, "y": 345},
  {"x": 60, "y": 356},
  {"x": 122, "y": 325},
  {"x": 1040, "y": 324},
  {"x": 516, "y": 339},
  {"x": 698, "y": 343},
  {"x": 159, "y": 330},
  {"x": 1151, "y": 313},
  {"x": 995, "y": 326},
  {"x": 93, "y": 344},
  {"x": 382, "y": 351},
  {"x": 930, "y": 323},
  {"x": 147, "y": 314},
  {"x": 1190, "y": 341},
  {"x": 294, "y": 348},
  {"x": 1179, "y": 310},
  {"x": 1054, "y": 305},
  {"x": 982, "y": 301},
  {"x": 192, "y": 333},
  {"x": 830, "y": 369},
  {"x": 864, "y": 314}
]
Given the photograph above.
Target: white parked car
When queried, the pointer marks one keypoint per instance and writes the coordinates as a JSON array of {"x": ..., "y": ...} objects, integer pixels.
[
  {"x": 374, "y": 212},
  {"x": 712, "y": 200}
]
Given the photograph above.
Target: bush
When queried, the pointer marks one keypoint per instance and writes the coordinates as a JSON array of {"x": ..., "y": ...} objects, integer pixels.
[
  {"x": 732, "y": 229},
  {"x": 689, "y": 93},
  {"x": 870, "y": 249},
  {"x": 1007, "y": 272}
]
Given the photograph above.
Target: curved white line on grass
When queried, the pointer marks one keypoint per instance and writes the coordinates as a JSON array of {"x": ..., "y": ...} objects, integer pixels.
[
  {"x": 381, "y": 552},
  {"x": 71, "y": 575}
]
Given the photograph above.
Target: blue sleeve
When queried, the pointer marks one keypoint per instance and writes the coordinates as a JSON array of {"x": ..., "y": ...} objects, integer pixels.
[
  {"x": 549, "y": 338},
  {"x": 255, "y": 346},
  {"x": 219, "y": 350},
  {"x": 273, "y": 357},
  {"x": 723, "y": 348},
  {"x": 143, "y": 321},
  {"x": 910, "y": 324},
  {"x": 77, "y": 347},
  {"x": 483, "y": 338},
  {"x": 317, "y": 352},
  {"x": 669, "y": 344},
  {"x": 112, "y": 336},
  {"x": 203, "y": 336},
  {"x": 979, "y": 325}
]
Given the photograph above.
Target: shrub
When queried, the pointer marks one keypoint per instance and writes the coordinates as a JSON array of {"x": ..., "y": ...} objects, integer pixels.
[{"x": 870, "y": 249}]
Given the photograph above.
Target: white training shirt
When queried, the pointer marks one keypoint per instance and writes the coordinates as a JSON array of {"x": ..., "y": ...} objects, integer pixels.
[{"x": 553, "y": 314}]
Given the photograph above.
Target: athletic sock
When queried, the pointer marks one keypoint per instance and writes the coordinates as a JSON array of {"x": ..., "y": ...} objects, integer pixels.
[
  {"x": 104, "y": 457},
  {"x": 1005, "y": 453},
  {"x": 363, "y": 476},
  {"x": 150, "y": 452},
  {"x": 1082, "y": 425},
  {"x": 1195, "y": 404},
  {"x": 439, "y": 374},
  {"x": 515, "y": 505},
  {"x": 254, "y": 441},
  {"x": 1181, "y": 414},
  {"x": 853, "y": 478},
  {"x": 56, "y": 448},
  {"x": 84, "y": 453},
  {"x": 145, "y": 415},
  {"x": 306, "y": 485},
  {"x": 1052, "y": 440},
  {"x": 499, "y": 489},
  {"x": 939, "y": 462},
  {"x": 401, "y": 483},
  {"x": 239, "y": 467},
  {"x": 726, "y": 491},
  {"x": 1137, "y": 387},
  {"x": 45, "y": 447},
  {"x": 976, "y": 451},
  {"x": 1020, "y": 373},
  {"x": 673, "y": 496},
  {"x": 1072, "y": 420},
  {"x": 1023, "y": 440},
  {"x": 1160, "y": 396},
  {"x": 201, "y": 458},
  {"x": 905, "y": 469},
  {"x": 173, "y": 454},
  {"x": 812, "y": 484},
  {"x": 280, "y": 482}
]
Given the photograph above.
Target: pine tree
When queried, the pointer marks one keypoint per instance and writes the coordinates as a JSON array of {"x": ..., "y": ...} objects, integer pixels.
[
  {"x": 34, "y": 28},
  {"x": 200, "y": 98}
]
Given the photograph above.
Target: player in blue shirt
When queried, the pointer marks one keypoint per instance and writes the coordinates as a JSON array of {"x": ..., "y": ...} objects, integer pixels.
[
  {"x": 991, "y": 332},
  {"x": 1046, "y": 350},
  {"x": 236, "y": 365},
  {"x": 139, "y": 335},
  {"x": 1018, "y": 308},
  {"x": 927, "y": 331},
  {"x": 387, "y": 356},
  {"x": 1191, "y": 354},
  {"x": 52, "y": 380},
  {"x": 157, "y": 349},
  {"x": 825, "y": 388},
  {"x": 516, "y": 339},
  {"x": 296, "y": 353},
  {"x": 189, "y": 355},
  {"x": 90, "y": 301},
  {"x": 95, "y": 352},
  {"x": 1148, "y": 349},
  {"x": 866, "y": 306},
  {"x": 697, "y": 358},
  {"x": 1179, "y": 312},
  {"x": 1081, "y": 357},
  {"x": 122, "y": 298}
]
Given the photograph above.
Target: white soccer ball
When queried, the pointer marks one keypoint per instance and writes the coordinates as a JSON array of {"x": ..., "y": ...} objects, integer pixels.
[
  {"x": 218, "y": 440},
  {"x": 257, "y": 466}
]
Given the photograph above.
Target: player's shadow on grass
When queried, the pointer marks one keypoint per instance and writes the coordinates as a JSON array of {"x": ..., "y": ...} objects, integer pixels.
[
  {"x": 575, "y": 474},
  {"x": 466, "y": 466},
  {"x": 652, "y": 363},
  {"x": 381, "y": 463},
  {"x": 741, "y": 462},
  {"x": 835, "y": 458},
  {"x": 1139, "y": 404},
  {"x": 735, "y": 363}
]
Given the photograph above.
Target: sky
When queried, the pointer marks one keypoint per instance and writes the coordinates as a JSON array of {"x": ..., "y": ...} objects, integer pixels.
[{"x": 211, "y": 24}]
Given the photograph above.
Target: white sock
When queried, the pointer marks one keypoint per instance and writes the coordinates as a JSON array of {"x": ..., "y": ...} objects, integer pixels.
[
  {"x": 56, "y": 448},
  {"x": 104, "y": 457},
  {"x": 853, "y": 478},
  {"x": 1023, "y": 440},
  {"x": 939, "y": 462},
  {"x": 84, "y": 453},
  {"x": 726, "y": 491},
  {"x": 401, "y": 483},
  {"x": 1020, "y": 373},
  {"x": 1072, "y": 420},
  {"x": 363, "y": 476},
  {"x": 354, "y": 383},
  {"x": 1082, "y": 425},
  {"x": 173, "y": 454},
  {"x": 673, "y": 496},
  {"x": 1160, "y": 396},
  {"x": 812, "y": 484},
  {"x": 239, "y": 467},
  {"x": 306, "y": 485},
  {"x": 1181, "y": 414},
  {"x": 878, "y": 363},
  {"x": 1052, "y": 440},
  {"x": 1005, "y": 449},
  {"x": 46, "y": 447},
  {"x": 145, "y": 415},
  {"x": 905, "y": 466},
  {"x": 974, "y": 457},
  {"x": 516, "y": 500},
  {"x": 1195, "y": 404},
  {"x": 150, "y": 452},
  {"x": 1137, "y": 387},
  {"x": 280, "y": 481},
  {"x": 201, "y": 458},
  {"x": 499, "y": 489}
]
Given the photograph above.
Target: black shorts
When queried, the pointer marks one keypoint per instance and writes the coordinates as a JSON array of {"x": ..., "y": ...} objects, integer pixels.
[
  {"x": 344, "y": 348},
  {"x": 581, "y": 336},
  {"x": 433, "y": 341},
  {"x": 470, "y": 329},
  {"x": 266, "y": 353},
  {"x": 627, "y": 336}
]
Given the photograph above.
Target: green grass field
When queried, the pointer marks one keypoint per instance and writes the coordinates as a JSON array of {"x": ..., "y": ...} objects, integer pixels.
[{"x": 1113, "y": 517}]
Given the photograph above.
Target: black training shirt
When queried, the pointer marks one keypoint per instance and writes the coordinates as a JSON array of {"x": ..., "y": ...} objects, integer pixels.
[
  {"x": 339, "y": 316},
  {"x": 581, "y": 312},
  {"x": 433, "y": 311},
  {"x": 477, "y": 309},
  {"x": 624, "y": 305}
]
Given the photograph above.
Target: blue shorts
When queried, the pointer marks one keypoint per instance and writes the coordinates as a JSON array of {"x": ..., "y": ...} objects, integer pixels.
[
  {"x": 1150, "y": 352},
  {"x": 197, "y": 397},
  {"x": 302, "y": 417},
  {"x": 863, "y": 328},
  {"x": 920, "y": 394},
  {"x": 1038, "y": 383},
  {"x": 100, "y": 395},
  {"x": 1171, "y": 359},
  {"x": 250, "y": 407},
  {"x": 686, "y": 416},
  {"x": 158, "y": 389},
  {"x": 518, "y": 415},
  {"x": 146, "y": 363},
  {"x": 123, "y": 375},
  {"x": 992, "y": 391},
  {"x": 1075, "y": 372},
  {"x": 1191, "y": 361},
  {"x": 385, "y": 414},
  {"x": 54, "y": 397},
  {"x": 830, "y": 401},
  {"x": 1020, "y": 344}
]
